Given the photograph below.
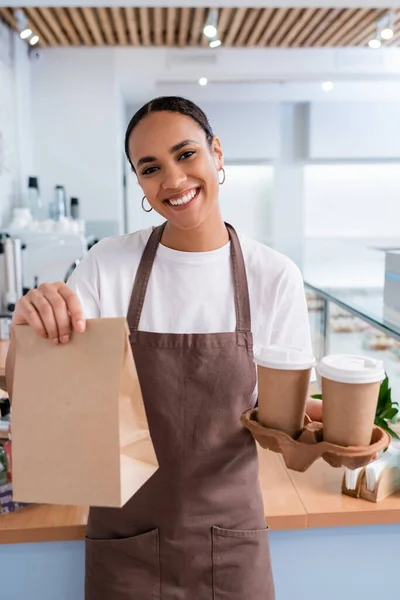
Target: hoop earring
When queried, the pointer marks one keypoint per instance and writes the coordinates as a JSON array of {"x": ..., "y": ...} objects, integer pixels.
[
  {"x": 223, "y": 176},
  {"x": 146, "y": 209}
]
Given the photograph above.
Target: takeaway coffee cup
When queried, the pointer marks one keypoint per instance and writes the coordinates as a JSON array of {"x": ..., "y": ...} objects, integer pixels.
[
  {"x": 350, "y": 391},
  {"x": 283, "y": 381}
]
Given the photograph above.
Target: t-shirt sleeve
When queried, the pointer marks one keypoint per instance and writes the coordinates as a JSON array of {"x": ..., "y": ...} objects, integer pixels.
[
  {"x": 291, "y": 325},
  {"x": 84, "y": 282}
]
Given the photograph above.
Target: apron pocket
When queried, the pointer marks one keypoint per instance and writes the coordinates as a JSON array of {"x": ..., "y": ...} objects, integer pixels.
[
  {"x": 241, "y": 565},
  {"x": 123, "y": 569}
]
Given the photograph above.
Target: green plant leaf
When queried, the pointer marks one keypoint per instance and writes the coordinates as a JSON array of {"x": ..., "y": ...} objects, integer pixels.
[
  {"x": 389, "y": 413},
  {"x": 317, "y": 396}
]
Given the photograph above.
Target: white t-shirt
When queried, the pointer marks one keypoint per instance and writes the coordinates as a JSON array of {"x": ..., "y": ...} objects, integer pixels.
[{"x": 192, "y": 292}]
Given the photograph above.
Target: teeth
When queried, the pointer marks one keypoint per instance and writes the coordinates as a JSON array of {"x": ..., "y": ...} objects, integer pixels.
[{"x": 183, "y": 199}]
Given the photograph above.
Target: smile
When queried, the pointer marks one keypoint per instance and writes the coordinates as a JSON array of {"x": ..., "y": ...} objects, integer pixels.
[{"x": 184, "y": 199}]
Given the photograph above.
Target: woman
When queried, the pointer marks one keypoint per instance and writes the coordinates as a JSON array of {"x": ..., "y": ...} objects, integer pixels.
[{"x": 196, "y": 530}]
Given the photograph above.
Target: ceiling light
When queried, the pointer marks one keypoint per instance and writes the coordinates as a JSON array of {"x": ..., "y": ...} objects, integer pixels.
[
  {"x": 34, "y": 40},
  {"x": 210, "y": 28},
  {"x": 210, "y": 31},
  {"x": 375, "y": 43},
  {"x": 215, "y": 43},
  {"x": 203, "y": 81},
  {"x": 327, "y": 86},
  {"x": 25, "y": 33},
  {"x": 387, "y": 33}
]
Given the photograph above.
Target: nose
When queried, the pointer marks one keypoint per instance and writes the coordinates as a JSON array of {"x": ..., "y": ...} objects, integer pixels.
[{"x": 173, "y": 178}]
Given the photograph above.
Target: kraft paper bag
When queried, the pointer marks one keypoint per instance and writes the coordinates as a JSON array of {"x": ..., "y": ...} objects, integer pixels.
[{"x": 80, "y": 432}]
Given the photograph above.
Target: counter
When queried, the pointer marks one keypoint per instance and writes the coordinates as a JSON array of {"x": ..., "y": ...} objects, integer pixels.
[
  {"x": 345, "y": 548},
  {"x": 292, "y": 501}
]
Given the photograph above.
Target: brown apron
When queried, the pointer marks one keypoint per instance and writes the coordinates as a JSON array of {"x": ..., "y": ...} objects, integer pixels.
[{"x": 196, "y": 530}]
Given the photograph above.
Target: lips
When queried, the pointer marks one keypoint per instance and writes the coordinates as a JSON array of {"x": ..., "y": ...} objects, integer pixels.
[{"x": 183, "y": 199}]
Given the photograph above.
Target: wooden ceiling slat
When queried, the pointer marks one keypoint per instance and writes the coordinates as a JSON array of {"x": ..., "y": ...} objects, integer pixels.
[
  {"x": 273, "y": 26},
  {"x": 41, "y": 28},
  {"x": 223, "y": 21},
  {"x": 105, "y": 25},
  {"x": 363, "y": 31},
  {"x": 316, "y": 33},
  {"x": 144, "y": 19},
  {"x": 184, "y": 27},
  {"x": 119, "y": 24},
  {"x": 197, "y": 27},
  {"x": 316, "y": 18},
  {"x": 8, "y": 17},
  {"x": 90, "y": 18},
  {"x": 52, "y": 22},
  {"x": 240, "y": 26},
  {"x": 335, "y": 26},
  {"x": 235, "y": 26},
  {"x": 259, "y": 28},
  {"x": 79, "y": 23},
  {"x": 67, "y": 25},
  {"x": 348, "y": 26},
  {"x": 171, "y": 22},
  {"x": 291, "y": 35},
  {"x": 133, "y": 31},
  {"x": 292, "y": 16},
  {"x": 248, "y": 25},
  {"x": 158, "y": 26}
]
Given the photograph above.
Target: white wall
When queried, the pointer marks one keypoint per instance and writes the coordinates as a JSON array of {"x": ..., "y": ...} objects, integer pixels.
[
  {"x": 77, "y": 127},
  {"x": 352, "y": 200},
  {"x": 15, "y": 125},
  {"x": 355, "y": 130},
  {"x": 350, "y": 211}
]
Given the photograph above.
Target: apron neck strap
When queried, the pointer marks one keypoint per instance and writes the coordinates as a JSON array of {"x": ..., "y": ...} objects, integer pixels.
[{"x": 242, "y": 302}]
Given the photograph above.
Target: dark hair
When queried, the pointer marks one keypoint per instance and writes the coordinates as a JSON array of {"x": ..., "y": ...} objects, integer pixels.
[{"x": 169, "y": 104}]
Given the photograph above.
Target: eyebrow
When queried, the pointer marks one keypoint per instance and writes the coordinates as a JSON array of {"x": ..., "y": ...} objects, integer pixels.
[{"x": 149, "y": 159}]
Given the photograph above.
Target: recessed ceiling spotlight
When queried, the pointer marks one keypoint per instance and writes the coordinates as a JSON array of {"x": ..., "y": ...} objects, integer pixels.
[
  {"x": 25, "y": 33},
  {"x": 387, "y": 33},
  {"x": 215, "y": 43},
  {"x": 375, "y": 44},
  {"x": 203, "y": 81},
  {"x": 327, "y": 86},
  {"x": 34, "y": 40}
]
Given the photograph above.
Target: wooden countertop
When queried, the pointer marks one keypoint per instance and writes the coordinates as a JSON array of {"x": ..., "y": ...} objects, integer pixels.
[{"x": 292, "y": 501}]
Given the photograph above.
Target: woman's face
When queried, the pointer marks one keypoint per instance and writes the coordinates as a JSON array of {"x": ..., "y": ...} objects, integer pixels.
[{"x": 176, "y": 168}]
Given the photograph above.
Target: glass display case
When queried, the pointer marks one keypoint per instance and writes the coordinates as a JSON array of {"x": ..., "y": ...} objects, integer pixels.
[{"x": 352, "y": 321}]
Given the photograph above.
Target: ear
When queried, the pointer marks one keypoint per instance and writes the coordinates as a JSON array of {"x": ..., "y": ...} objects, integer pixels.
[{"x": 217, "y": 153}]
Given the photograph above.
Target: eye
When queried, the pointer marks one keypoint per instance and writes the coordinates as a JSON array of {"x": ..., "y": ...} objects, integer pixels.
[
  {"x": 187, "y": 154},
  {"x": 149, "y": 170}
]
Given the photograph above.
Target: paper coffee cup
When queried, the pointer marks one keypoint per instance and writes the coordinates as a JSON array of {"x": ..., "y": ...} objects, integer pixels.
[
  {"x": 350, "y": 391},
  {"x": 283, "y": 382}
]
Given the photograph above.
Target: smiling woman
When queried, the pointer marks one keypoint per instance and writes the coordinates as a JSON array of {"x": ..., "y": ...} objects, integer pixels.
[{"x": 198, "y": 297}]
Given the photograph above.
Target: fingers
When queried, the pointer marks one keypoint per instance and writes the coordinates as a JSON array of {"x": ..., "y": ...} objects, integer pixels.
[
  {"x": 73, "y": 306},
  {"x": 47, "y": 314},
  {"x": 51, "y": 310}
]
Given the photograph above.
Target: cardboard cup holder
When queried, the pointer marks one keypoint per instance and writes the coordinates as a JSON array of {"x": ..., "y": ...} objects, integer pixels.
[{"x": 299, "y": 453}]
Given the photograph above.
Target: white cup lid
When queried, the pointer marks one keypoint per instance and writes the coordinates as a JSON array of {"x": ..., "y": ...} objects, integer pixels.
[
  {"x": 351, "y": 368},
  {"x": 285, "y": 359}
]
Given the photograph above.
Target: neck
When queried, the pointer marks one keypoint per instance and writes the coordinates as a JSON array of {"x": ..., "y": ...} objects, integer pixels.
[{"x": 210, "y": 235}]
